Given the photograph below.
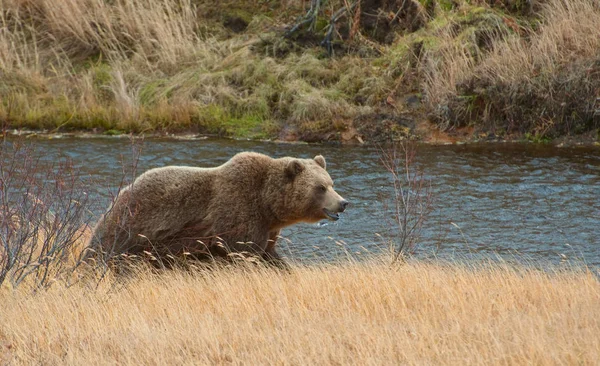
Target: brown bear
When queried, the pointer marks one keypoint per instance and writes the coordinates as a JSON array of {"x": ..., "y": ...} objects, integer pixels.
[{"x": 240, "y": 206}]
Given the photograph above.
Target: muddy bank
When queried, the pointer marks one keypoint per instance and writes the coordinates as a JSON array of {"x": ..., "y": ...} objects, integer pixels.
[{"x": 424, "y": 132}]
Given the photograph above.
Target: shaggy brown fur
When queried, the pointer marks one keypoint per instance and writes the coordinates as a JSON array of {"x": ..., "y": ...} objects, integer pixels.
[{"x": 239, "y": 206}]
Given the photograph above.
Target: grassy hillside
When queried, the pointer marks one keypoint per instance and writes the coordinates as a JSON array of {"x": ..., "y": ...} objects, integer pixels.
[
  {"x": 349, "y": 313},
  {"x": 224, "y": 67}
]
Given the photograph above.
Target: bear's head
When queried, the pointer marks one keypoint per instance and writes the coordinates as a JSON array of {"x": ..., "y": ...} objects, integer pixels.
[{"x": 309, "y": 193}]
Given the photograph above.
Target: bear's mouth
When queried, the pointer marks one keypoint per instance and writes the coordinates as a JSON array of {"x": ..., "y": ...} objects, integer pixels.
[{"x": 334, "y": 216}]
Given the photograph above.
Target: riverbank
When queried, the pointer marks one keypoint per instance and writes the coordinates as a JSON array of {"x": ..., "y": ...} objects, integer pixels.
[
  {"x": 348, "y": 313},
  {"x": 429, "y": 137},
  {"x": 425, "y": 70}
]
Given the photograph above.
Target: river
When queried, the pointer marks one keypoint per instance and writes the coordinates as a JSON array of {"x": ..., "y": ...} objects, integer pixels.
[{"x": 523, "y": 202}]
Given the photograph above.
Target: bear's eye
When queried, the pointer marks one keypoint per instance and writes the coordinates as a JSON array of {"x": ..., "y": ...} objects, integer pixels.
[{"x": 322, "y": 188}]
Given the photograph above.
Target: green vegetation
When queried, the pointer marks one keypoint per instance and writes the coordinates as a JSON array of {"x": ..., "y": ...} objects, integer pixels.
[{"x": 225, "y": 68}]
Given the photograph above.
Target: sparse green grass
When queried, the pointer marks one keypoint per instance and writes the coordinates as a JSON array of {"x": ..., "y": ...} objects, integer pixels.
[{"x": 181, "y": 65}]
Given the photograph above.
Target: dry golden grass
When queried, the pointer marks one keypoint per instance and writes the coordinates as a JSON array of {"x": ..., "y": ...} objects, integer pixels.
[
  {"x": 569, "y": 33},
  {"x": 542, "y": 81},
  {"x": 162, "y": 32},
  {"x": 354, "y": 313}
]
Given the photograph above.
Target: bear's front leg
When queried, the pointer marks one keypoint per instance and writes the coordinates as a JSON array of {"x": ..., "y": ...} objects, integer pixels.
[{"x": 271, "y": 256}]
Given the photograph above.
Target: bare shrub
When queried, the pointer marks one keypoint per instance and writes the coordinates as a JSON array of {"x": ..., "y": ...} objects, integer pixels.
[
  {"x": 43, "y": 216},
  {"x": 410, "y": 202}
]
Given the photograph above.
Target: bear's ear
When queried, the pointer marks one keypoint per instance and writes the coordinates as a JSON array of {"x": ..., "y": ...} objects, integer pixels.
[
  {"x": 321, "y": 161},
  {"x": 293, "y": 168}
]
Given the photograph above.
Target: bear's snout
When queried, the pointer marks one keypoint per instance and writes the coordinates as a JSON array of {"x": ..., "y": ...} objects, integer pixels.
[
  {"x": 343, "y": 205},
  {"x": 336, "y": 205}
]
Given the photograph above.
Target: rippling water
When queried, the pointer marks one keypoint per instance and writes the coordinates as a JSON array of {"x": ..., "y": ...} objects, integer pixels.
[{"x": 524, "y": 202}]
